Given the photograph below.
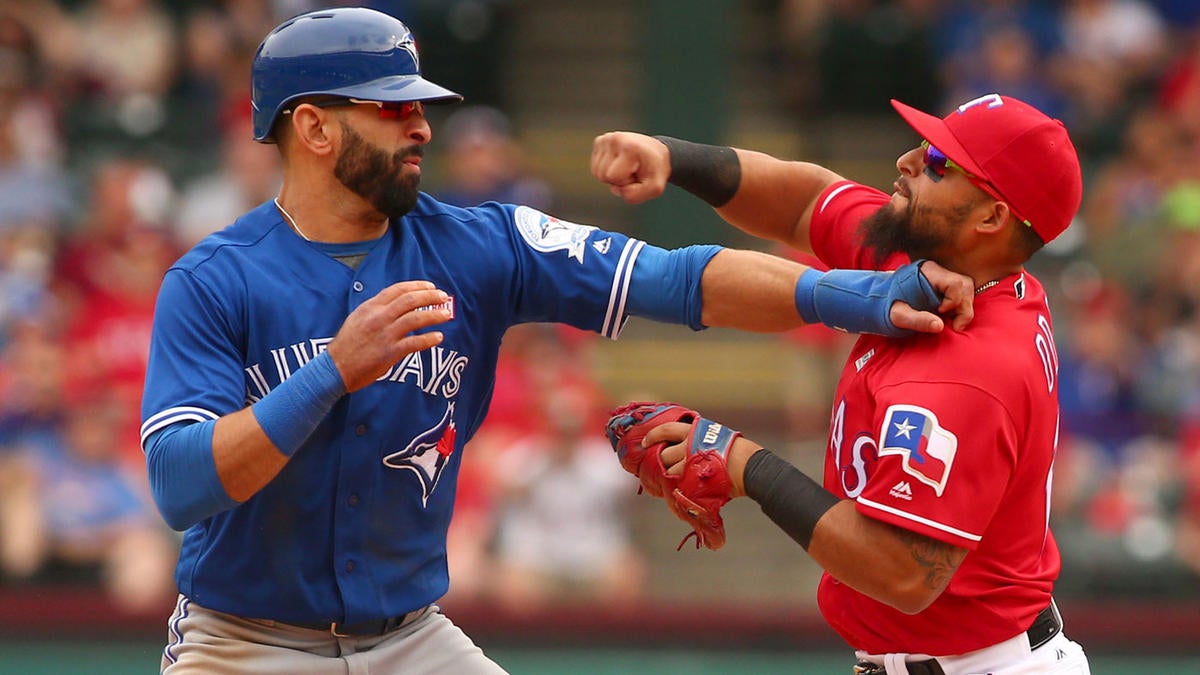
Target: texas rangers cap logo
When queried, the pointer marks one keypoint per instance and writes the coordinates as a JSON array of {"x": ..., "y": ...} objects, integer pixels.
[
  {"x": 925, "y": 447},
  {"x": 426, "y": 455}
]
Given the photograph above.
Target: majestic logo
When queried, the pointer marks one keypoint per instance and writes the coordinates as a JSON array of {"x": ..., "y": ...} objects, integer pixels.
[
  {"x": 603, "y": 245},
  {"x": 902, "y": 490},
  {"x": 927, "y": 449},
  {"x": 547, "y": 234},
  {"x": 426, "y": 455},
  {"x": 862, "y": 360}
]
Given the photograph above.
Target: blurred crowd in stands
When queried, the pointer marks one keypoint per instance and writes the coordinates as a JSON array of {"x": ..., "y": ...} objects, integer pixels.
[{"x": 124, "y": 139}]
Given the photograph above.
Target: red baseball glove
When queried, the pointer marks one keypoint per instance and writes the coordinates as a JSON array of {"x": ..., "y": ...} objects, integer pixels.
[
  {"x": 626, "y": 428},
  {"x": 695, "y": 496}
]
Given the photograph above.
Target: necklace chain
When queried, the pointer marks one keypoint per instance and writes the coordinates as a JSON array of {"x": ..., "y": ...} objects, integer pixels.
[
  {"x": 979, "y": 290},
  {"x": 292, "y": 222}
]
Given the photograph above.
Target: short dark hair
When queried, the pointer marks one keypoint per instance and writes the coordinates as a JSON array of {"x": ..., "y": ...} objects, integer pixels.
[{"x": 1027, "y": 242}]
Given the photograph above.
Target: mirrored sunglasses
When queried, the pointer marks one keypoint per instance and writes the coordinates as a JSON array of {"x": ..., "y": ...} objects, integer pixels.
[
  {"x": 388, "y": 110},
  {"x": 936, "y": 163}
]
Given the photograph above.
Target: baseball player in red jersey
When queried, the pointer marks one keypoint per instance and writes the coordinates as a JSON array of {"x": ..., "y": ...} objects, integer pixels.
[{"x": 932, "y": 521}]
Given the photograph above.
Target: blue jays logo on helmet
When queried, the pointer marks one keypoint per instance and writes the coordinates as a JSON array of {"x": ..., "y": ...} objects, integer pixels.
[
  {"x": 408, "y": 44},
  {"x": 353, "y": 52}
]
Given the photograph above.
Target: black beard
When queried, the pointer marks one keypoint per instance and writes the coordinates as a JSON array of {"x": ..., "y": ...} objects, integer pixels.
[
  {"x": 890, "y": 230},
  {"x": 375, "y": 175}
]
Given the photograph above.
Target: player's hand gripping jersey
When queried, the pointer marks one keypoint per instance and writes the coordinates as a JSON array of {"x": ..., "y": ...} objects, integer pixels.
[
  {"x": 354, "y": 527},
  {"x": 948, "y": 436}
]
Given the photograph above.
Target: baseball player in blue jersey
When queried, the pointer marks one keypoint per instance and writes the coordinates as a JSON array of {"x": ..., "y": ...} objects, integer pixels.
[{"x": 317, "y": 367}]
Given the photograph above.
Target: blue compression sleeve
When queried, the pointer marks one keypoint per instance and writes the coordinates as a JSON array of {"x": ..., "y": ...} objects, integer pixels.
[
  {"x": 806, "y": 289},
  {"x": 183, "y": 475},
  {"x": 665, "y": 285},
  {"x": 291, "y": 412},
  {"x": 860, "y": 301}
]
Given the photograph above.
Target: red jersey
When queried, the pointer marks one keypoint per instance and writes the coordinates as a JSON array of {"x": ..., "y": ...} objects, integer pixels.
[{"x": 952, "y": 436}]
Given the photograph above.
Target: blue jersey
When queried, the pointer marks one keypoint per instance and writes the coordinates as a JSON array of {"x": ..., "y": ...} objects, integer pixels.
[{"x": 354, "y": 526}]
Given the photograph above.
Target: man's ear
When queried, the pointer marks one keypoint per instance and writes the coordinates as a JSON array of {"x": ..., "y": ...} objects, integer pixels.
[
  {"x": 313, "y": 128},
  {"x": 996, "y": 218}
]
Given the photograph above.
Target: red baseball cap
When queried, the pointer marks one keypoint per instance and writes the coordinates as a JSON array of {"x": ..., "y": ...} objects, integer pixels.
[{"x": 1024, "y": 154}]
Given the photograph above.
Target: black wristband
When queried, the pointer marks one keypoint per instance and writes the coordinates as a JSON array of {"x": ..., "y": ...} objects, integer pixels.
[
  {"x": 792, "y": 500},
  {"x": 711, "y": 172}
]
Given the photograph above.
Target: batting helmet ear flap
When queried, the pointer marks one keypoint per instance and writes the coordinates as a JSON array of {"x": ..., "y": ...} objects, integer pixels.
[{"x": 351, "y": 52}]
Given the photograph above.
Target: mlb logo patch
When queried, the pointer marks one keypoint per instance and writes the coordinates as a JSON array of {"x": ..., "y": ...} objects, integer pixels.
[{"x": 926, "y": 448}]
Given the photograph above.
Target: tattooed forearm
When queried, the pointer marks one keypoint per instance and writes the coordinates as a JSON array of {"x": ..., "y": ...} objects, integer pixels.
[{"x": 939, "y": 559}]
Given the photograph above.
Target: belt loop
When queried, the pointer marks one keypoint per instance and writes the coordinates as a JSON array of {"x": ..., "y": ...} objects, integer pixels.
[
  {"x": 929, "y": 667},
  {"x": 1046, "y": 625},
  {"x": 381, "y": 627},
  {"x": 895, "y": 663}
]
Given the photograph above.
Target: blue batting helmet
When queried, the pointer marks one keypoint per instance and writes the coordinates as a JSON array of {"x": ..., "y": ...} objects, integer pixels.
[{"x": 351, "y": 51}]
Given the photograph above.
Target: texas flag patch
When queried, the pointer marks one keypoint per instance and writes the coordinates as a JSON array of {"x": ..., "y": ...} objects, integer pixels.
[{"x": 926, "y": 448}]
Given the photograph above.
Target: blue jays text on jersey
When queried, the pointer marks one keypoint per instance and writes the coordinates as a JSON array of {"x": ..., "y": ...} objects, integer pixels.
[
  {"x": 354, "y": 526},
  {"x": 437, "y": 371}
]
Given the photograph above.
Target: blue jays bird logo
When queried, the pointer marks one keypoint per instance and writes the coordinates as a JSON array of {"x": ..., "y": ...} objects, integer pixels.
[
  {"x": 409, "y": 45},
  {"x": 426, "y": 455}
]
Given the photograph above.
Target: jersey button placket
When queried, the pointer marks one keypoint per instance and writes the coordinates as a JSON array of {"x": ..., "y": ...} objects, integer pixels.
[{"x": 358, "y": 286}]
